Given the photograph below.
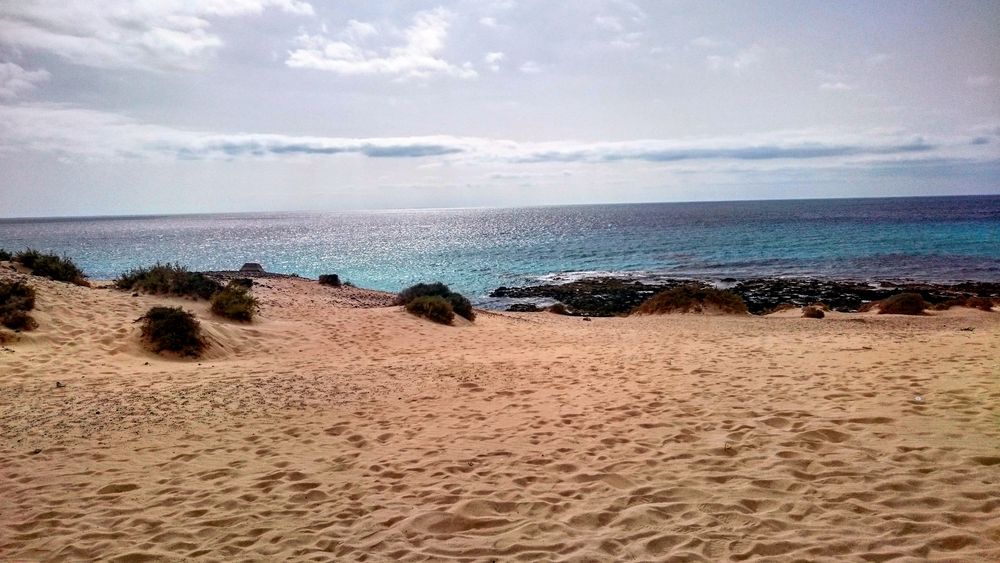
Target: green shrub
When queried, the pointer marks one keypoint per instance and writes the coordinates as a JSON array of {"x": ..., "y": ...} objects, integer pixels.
[
  {"x": 903, "y": 304},
  {"x": 168, "y": 279},
  {"x": 433, "y": 307},
  {"x": 27, "y": 257},
  {"x": 4, "y": 255},
  {"x": 234, "y": 302},
  {"x": 692, "y": 298},
  {"x": 460, "y": 305},
  {"x": 813, "y": 313},
  {"x": 50, "y": 266},
  {"x": 981, "y": 303},
  {"x": 16, "y": 299},
  {"x": 422, "y": 290},
  {"x": 172, "y": 329}
]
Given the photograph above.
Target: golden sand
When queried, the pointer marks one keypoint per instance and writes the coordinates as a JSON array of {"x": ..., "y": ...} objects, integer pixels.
[{"x": 323, "y": 431}]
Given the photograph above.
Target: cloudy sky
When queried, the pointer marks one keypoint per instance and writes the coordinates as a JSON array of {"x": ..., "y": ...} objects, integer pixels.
[{"x": 166, "y": 106}]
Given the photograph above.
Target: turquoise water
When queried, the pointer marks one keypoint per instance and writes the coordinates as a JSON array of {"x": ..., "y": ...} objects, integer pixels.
[{"x": 476, "y": 250}]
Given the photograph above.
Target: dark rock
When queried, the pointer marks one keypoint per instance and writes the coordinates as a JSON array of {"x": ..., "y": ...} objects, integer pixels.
[
  {"x": 242, "y": 282},
  {"x": 592, "y": 297},
  {"x": 523, "y": 308},
  {"x": 603, "y": 297}
]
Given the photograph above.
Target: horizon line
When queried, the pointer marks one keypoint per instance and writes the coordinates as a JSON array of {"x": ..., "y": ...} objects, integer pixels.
[{"x": 483, "y": 207}]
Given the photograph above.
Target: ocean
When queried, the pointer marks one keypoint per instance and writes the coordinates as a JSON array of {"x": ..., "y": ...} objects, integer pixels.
[{"x": 934, "y": 239}]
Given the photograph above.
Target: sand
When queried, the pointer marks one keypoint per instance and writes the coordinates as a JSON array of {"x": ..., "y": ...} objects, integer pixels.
[{"x": 329, "y": 432}]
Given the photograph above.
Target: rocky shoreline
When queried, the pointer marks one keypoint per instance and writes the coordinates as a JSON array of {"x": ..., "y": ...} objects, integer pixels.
[{"x": 604, "y": 297}]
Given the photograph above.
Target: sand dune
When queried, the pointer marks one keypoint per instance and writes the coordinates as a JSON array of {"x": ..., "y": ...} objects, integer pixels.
[{"x": 326, "y": 432}]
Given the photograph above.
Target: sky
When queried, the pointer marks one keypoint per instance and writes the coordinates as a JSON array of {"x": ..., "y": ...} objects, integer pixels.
[{"x": 117, "y": 107}]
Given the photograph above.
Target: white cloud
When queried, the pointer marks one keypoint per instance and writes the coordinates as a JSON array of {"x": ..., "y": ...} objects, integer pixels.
[
  {"x": 493, "y": 60},
  {"x": 609, "y": 23},
  {"x": 488, "y": 21},
  {"x": 417, "y": 57},
  {"x": 739, "y": 62},
  {"x": 79, "y": 134},
  {"x": 981, "y": 81},
  {"x": 837, "y": 86},
  {"x": 15, "y": 80},
  {"x": 530, "y": 67},
  {"x": 158, "y": 34}
]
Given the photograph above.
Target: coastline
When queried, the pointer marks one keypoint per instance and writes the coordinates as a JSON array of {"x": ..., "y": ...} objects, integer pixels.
[{"x": 332, "y": 427}]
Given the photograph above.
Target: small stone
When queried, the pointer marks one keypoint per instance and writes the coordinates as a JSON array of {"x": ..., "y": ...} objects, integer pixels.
[{"x": 60, "y": 385}]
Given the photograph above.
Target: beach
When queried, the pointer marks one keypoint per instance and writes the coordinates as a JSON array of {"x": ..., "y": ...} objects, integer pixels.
[{"x": 337, "y": 427}]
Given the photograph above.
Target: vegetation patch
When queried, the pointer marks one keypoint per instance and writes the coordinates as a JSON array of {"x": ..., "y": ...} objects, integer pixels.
[
  {"x": 903, "y": 304},
  {"x": 692, "y": 299},
  {"x": 557, "y": 309},
  {"x": 813, "y": 312},
  {"x": 168, "y": 279},
  {"x": 234, "y": 302},
  {"x": 4, "y": 255},
  {"x": 981, "y": 303},
  {"x": 458, "y": 303},
  {"x": 330, "y": 279},
  {"x": 432, "y": 307},
  {"x": 16, "y": 299},
  {"x": 50, "y": 266},
  {"x": 172, "y": 329}
]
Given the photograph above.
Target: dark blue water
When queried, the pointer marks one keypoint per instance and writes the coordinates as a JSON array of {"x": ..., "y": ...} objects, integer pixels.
[{"x": 476, "y": 250}]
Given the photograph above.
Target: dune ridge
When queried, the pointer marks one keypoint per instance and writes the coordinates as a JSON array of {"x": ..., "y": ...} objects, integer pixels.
[{"x": 333, "y": 430}]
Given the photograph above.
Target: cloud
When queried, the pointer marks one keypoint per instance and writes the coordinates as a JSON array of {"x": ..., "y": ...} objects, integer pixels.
[
  {"x": 530, "y": 67},
  {"x": 981, "y": 81},
  {"x": 704, "y": 42},
  {"x": 609, "y": 23},
  {"x": 493, "y": 60},
  {"x": 15, "y": 81},
  {"x": 739, "y": 62},
  {"x": 417, "y": 57},
  {"x": 837, "y": 86},
  {"x": 152, "y": 35},
  {"x": 488, "y": 21},
  {"x": 79, "y": 134}
]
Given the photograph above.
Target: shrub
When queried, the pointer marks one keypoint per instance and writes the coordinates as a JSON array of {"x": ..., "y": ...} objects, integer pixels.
[
  {"x": 461, "y": 306},
  {"x": 557, "y": 309},
  {"x": 4, "y": 255},
  {"x": 168, "y": 279},
  {"x": 433, "y": 307},
  {"x": 16, "y": 299},
  {"x": 903, "y": 304},
  {"x": 18, "y": 320},
  {"x": 234, "y": 302},
  {"x": 27, "y": 257},
  {"x": 50, "y": 266},
  {"x": 458, "y": 302},
  {"x": 692, "y": 298},
  {"x": 813, "y": 313},
  {"x": 330, "y": 279},
  {"x": 422, "y": 290},
  {"x": 172, "y": 329},
  {"x": 981, "y": 303}
]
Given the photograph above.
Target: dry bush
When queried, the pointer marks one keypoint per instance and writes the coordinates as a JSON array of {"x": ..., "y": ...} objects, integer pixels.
[
  {"x": 903, "y": 304},
  {"x": 692, "y": 299}
]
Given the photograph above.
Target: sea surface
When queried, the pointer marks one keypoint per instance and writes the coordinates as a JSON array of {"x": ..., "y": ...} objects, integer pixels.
[{"x": 937, "y": 239}]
